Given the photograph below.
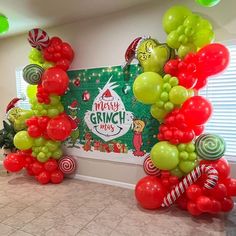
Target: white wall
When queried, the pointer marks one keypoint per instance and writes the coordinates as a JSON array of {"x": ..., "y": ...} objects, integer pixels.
[{"x": 102, "y": 41}]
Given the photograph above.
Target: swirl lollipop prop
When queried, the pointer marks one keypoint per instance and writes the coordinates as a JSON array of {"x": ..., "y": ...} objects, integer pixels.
[
  {"x": 32, "y": 73},
  {"x": 210, "y": 147},
  {"x": 149, "y": 167},
  {"x": 67, "y": 165},
  {"x": 38, "y": 38}
]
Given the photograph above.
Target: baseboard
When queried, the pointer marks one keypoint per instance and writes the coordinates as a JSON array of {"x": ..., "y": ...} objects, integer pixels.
[{"x": 104, "y": 181}]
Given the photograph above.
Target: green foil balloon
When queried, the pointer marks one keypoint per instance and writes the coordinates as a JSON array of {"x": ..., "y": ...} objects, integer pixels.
[
  {"x": 175, "y": 17},
  {"x": 147, "y": 87},
  {"x": 4, "y": 24},
  {"x": 152, "y": 55},
  {"x": 208, "y": 3},
  {"x": 165, "y": 156}
]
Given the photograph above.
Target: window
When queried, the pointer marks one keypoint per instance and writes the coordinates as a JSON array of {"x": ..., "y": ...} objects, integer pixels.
[
  {"x": 21, "y": 87},
  {"x": 221, "y": 91}
]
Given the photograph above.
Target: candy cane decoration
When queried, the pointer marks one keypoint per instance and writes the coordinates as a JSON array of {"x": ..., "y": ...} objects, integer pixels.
[{"x": 192, "y": 177}]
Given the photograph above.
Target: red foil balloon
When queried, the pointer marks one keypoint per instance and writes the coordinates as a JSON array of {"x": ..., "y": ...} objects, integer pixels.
[
  {"x": 150, "y": 192},
  {"x": 196, "y": 110}
]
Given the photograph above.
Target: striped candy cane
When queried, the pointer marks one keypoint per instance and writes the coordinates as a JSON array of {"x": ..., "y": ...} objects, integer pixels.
[{"x": 192, "y": 177}]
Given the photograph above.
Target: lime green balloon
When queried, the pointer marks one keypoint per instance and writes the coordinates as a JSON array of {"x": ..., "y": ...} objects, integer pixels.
[
  {"x": 192, "y": 21},
  {"x": 42, "y": 157},
  {"x": 178, "y": 95},
  {"x": 187, "y": 166},
  {"x": 52, "y": 146},
  {"x": 4, "y": 24},
  {"x": 203, "y": 37},
  {"x": 174, "y": 17},
  {"x": 207, "y": 3},
  {"x": 152, "y": 55},
  {"x": 183, "y": 50},
  {"x": 23, "y": 141},
  {"x": 165, "y": 156},
  {"x": 57, "y": 154},
  {"x": 52, "y": 112},
  {"x": 31, "y": 91},
  {"x": 177, "y": 172},
  {"x": 158, "y": 113},
  {"x": 39, "y": 142},
  {"x": 147, "y": 87},
  {"x": 47, "y": 65},
  {"x": 173, "y": 39},
  {"x": 191, "y": 93}
]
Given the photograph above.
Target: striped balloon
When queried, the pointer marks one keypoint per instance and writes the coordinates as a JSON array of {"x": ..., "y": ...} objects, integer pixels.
[
  {"x": 149, "y": 168},
  {"x": 192, "y": 177},
  {"x": 67, "y": 165},
  {"x": 210, "y": 146},
  {"x": 38, "y": 38},
  {"x": 32, "y": 73}
]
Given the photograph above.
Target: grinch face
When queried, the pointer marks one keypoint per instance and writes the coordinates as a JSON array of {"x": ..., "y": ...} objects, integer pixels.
[{"x": 152, "y": 56}]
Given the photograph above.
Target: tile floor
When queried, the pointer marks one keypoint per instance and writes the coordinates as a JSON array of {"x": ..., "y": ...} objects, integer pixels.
[{"x": 89, "y": 209}]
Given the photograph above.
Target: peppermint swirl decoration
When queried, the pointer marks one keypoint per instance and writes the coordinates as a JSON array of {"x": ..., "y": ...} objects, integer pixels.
[
  {"x": 32, "y": 73},
  {"x": 210, "y": 146},
  {"x": 38, "y": 38},
  {"x": 149, "y": 168},
  {"x": 67, "y": 165}
]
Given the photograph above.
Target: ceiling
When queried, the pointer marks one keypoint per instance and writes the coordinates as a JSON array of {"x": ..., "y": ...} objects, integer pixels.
[{"x": 24, "y": 15}]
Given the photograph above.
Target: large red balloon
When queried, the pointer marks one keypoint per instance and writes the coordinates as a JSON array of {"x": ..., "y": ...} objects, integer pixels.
[
  {"x": 213, "y": 58},
  {"x": 14, "y": 162},
  {"x": 55, "y": 81},
  {"x": 59, "y": 128},
  {"x": 57, "y": 177},
  {"x": 150, "y": 192},
  {"x": 196, "y": 110}
]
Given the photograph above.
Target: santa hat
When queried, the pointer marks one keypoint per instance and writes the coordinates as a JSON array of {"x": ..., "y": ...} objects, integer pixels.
[
  {"x": 131, "y": 51},
  {"x": 12, "y": 104},
  {"x": 73, "y": 105}
]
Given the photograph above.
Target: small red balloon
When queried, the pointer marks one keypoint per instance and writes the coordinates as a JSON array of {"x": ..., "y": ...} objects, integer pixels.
[
  {"x": 193, "y": 209},
  {"x": 193, "y": 192},
  {"x": 150, "y": 192},
  {"x": 227, "y": 204},
  {"x": 216, "y": 206},
  {"x": 231, "y": 186},
  {"x": 57, "y": 177},
  {"x": 37, "y": 168},
  {"x": 34, "y": 131},
  {"x": 204, "y": 204},
  {"x": 218, "y": 192},
  {"x": 198, "y": 129},
  {"x": 43, "y": 177},
  {"x": 51, "y": 165},
  {"x": 14, "y": 162}
]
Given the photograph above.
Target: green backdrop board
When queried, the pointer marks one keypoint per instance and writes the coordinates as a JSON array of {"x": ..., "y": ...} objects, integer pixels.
[{"x": 109, "y": 123}]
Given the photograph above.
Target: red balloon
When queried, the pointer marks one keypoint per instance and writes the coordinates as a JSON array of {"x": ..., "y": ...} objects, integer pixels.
[
  {"x": 37, "y": 168},
  {"x": 182, "y": 202},
  {"x": 171, "y": 67},
  {"x": 150, "y": 192},
  {"x": 216, "y": 207},
  {"x": 55, "y": 41},
  {"x": 57, "y": 177},
  {"x": 221, "y": 165},
  {"x": 193, "y": 209},
  {"x": 213, "y": 58},
  {"x": 230, "y": 184},
  {"x": 193, "y": 192},
  {"x": 55, "y": 81},
  {"x": 227, "y": 204},
  {"x": 187, "y": 80},
  {"x": 32, "y": 121},
  {"x": 198, "y": 129},
  {"x": 14, "y": 162},
  {"x": 218, "y": 192},
  {"x": 64, "y": 64},
  {"x": 201, "y": 83},
  {"x": 43, "y": 177},
  {"x": 43, "y": 121},
  {"x": 204, "y": 204},
  {"x": 51, "y": 165},
  {"x": 34, "y": 131},
  {"x": 59, "y": 128},
  {"x": 196, "y": 110}
]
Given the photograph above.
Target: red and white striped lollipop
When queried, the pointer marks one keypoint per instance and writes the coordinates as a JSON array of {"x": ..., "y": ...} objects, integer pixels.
[
  {"x": 67, "y": 165},
  {"x": 149, "y": 167},
  {"x": 192, "y": 177},
  {"x": 38, "y": 38}
]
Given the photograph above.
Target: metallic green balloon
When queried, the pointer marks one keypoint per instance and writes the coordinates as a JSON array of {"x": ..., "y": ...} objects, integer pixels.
[{"x": 208, "y": 3}]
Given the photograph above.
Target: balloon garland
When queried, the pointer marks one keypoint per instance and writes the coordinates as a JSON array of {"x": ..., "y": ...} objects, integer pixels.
[
  {"x": 46, "y": 125},
  {"x": 175, "y": 171}
]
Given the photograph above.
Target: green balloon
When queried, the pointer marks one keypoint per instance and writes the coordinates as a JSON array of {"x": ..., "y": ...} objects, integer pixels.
[
  {"x": 187, "y": 166},
  {"x": 147, "y": 87},
  {"x": 208, "y": 3},
  {"x": 186, "y": 49},
  {"x": 158, "y": 113},
  {"x": 57, "y": 154},
  {"x": 52, "y": 112},
  {"x": 31, "y": 91},
  {"x": 203, "y": 37},
  {"x": 23, "y": 141},
  {"x": 173, "y": 39},
  {"x": 42, "y": 157},
  {"x": 178, "y": 95},
  {"x": 39, "y": 142},
  {"x": 165, "y": 156},
  {"x": 4, "y": 24},
  {"x": 174, "y": 17},
  {"x": 177, "y": 172},
  {"x": 52, "y": 146}
]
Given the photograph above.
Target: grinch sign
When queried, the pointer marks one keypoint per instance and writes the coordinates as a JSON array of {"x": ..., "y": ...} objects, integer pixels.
[
  {"x": 109, "y": 123},
  {"x": 108, "y": 118}
]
